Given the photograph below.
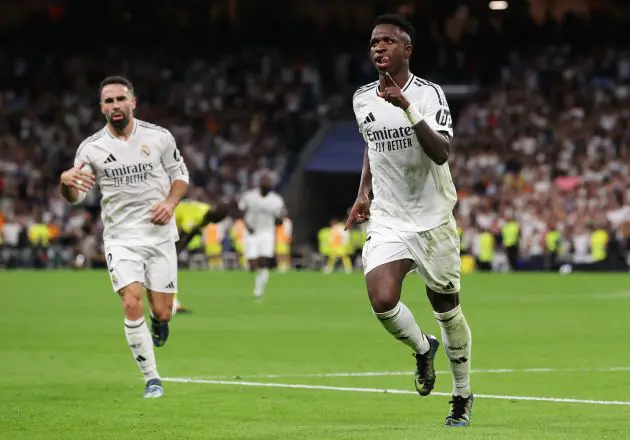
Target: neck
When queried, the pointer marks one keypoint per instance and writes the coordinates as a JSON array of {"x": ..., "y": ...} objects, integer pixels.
[
  {"x": 125, "y": 133},
  {"x": 400, "y": 78}
]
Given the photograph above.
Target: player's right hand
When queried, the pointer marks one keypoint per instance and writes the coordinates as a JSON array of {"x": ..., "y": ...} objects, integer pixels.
[
  {"x": 360, "y": 211},
  {"x": 78, "y": 179}
]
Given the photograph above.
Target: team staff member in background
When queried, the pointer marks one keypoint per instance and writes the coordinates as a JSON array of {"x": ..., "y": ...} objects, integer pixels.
[
  {"x": 485, "y": 250},
  {"x": 323, "y": 242},
  {"x": 339, "y": 247},
  {"x": 284, "y": 234},
  {"x": 213, "y": 235},
  {"x": 237, "y": 237},
  {"x": 510, "y": 237}
]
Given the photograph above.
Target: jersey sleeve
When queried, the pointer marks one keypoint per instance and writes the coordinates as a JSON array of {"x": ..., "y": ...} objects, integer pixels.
[
  {"x": 82, "y": 159},
  {"x": 356, "y": 109},
  {"x": 172, "y": 160},
  {"x": 435, "y": 110},
  {"x": 242, "y": 202}
]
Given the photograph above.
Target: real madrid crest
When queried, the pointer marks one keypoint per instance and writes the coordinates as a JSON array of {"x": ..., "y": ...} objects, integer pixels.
[
  {"x": 114, "y": 279},
  {"x": 144, "y": 150}
]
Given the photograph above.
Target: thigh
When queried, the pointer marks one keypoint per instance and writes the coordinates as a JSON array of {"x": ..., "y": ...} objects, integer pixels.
[
  {"x": 161, "y": 268},
  {"x": 252, "y": 245},
  {"x": 384, "y": 284},
  {"x": 382, "y": 246},
  {"x": 386, "y": 262},
  {"x": 161, "y": 304},
  {"x": 125, "y": 266},
  {"x": 436, "y": 253},
  {"x": 266, "y": 245}
]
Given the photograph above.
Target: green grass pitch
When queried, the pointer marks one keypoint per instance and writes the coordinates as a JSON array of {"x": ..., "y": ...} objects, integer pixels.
[{"x": 67, "y": 373}]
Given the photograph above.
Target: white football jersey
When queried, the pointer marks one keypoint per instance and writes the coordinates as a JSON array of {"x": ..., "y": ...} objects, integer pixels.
[
  {"x": 133, "y": 175},
  {"x": 261, "y": 212},
  {"x": 411, "y": 192}
]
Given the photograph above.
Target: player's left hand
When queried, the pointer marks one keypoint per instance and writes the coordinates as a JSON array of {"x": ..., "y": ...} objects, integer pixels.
[
  {"x": 393, "y": 94},
  {"x": 161, "y": 213}
]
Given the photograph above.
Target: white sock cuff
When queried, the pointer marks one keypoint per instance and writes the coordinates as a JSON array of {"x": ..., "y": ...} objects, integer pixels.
[
  {"x": 389, "y": 314},
  {"x": 447, "y": 316},
  {"x": 134, "y": 324}
]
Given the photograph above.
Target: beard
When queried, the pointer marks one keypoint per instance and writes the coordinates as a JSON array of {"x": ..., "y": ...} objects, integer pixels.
[{"x": 119, "y": 124}]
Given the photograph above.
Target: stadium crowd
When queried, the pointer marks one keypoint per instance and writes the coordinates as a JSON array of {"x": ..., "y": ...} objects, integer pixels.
[
  {"x": 230, "y": 118},
  {"x": 541, "y": 152},
  {"x": 548, "y": 148}
]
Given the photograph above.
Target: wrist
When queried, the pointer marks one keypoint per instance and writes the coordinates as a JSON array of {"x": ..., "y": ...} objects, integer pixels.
[
  {"x": 364, "y": 192},
  {"x": 171, "y": 202},
  {"x": 413, "y": 115}
]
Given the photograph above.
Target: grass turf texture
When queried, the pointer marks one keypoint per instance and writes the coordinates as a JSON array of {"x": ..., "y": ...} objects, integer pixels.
[{"x": 66, "y": 372}]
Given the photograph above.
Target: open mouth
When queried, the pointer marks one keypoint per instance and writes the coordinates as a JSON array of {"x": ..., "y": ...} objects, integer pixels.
[
  {"x": 118, "y": 116},
  {"x": 382, "y": 62}
]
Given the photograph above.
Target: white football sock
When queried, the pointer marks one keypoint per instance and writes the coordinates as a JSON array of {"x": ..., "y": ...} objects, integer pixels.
[
  {"x": 176, "y": 305},
  {"x": 400, "y": 322},
  {"x": 141, "y": 344},
  {"x": 457, "y": 341},
  {"x": 262, "y": 276}
]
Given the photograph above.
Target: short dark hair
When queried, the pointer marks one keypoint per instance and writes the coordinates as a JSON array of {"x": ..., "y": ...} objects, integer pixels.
[
  {"x": 398, "y": 21},
  {"x": 115, "y": 80}
]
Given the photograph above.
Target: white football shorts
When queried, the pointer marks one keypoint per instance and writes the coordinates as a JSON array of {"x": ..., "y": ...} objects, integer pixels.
[
  {"x": 155, "y": 266},
  {"x": 260, "y": 245},
  {"x": 435, "y": 253}
]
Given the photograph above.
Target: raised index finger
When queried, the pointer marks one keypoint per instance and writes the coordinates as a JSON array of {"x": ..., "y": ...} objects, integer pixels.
[
  {"x": 351, "y": 218},
  {"x": 391, "y": 81}
]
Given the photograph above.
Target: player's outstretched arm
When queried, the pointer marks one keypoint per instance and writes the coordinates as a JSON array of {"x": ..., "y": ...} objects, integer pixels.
[
  {"x": 365, "y": 185},
  {"x": 360, "y": 211},
  {"x": 212, "y": 216},
  {"x": 436, "y": 144}
]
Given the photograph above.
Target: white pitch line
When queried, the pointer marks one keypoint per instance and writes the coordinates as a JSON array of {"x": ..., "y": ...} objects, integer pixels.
[
  {"x": 405, "y": 373},
  {"x": 389, "y": 391}
]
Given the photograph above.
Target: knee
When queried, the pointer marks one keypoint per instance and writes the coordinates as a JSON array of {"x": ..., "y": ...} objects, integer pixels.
[
  {"x": 163, "y": 314},
  {"x": 383, "y": 302},
  {"x": 442, "y": 302},
  {"x": 133, "y": 305},
  {"x": 384, "y": 292}
]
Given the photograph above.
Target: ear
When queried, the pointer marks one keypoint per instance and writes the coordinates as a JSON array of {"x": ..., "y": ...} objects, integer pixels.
[{"x": 408, "y": 50}]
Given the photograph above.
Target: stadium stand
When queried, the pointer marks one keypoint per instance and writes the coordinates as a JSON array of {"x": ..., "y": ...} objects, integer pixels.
[{"x": 541, "y": 138}]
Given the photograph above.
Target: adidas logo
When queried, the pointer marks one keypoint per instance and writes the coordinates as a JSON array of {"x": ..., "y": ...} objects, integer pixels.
[
  {"x": 370, "y": 118},
  {"x": 170, "y": 285},
  {"x": 449, "y": 286},
  {"x": 110, "y": 158}
]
